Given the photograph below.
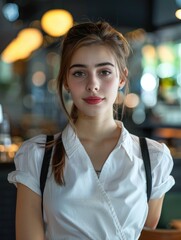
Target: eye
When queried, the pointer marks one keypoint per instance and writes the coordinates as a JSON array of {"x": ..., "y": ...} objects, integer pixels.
[
  {"x": 105, "y": 72},
  {"x": 79, "y": 74}
]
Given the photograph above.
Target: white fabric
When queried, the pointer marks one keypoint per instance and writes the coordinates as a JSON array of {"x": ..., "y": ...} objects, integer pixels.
[{"x": 113, "y": 206}]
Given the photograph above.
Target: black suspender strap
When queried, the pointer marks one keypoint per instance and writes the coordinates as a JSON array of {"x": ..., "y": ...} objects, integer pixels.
[
  {"x": 146, "y": 159},
  {"x": 47, "y": 157},
  {"x": 45, "y": 166}
]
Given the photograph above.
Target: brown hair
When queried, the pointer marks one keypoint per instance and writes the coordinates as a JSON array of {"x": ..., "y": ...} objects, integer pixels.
[{"x": 84, "y": 34}]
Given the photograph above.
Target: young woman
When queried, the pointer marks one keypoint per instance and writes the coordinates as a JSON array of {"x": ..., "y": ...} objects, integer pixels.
[{"x": 97, "y": 189}]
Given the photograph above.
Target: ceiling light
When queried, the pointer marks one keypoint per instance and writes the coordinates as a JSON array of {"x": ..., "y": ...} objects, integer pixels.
[
  {"x": 31, "y": 37},
  {"x": 56, "y": 22},
  {"x": 10, "y": 11},
  {"x": 178, "y": 13},
  {"x": 28, "y": 40}
]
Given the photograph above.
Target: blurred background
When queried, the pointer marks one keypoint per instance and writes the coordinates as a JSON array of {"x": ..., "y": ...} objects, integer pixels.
[
  {"x": 29, "y": 63},
  {"x": 30, "y": 38}
]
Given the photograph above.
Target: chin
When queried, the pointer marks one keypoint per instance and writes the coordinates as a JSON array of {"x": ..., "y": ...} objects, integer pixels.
[{"x": 90, "y": 114}]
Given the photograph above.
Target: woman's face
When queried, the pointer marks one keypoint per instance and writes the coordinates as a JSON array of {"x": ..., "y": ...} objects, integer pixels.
[{"x": 93, "y": 80}]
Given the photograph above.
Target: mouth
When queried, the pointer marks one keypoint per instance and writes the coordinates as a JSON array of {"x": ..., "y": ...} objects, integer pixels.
[{"x": 93, "y": 100}]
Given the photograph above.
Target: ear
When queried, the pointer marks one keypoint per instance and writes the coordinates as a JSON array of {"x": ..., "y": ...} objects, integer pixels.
[
  {"x": 123, "y": 78},
  {"x": 66, "y": 86}
]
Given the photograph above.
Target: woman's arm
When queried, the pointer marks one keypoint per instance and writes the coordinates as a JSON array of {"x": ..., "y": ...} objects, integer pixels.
[
  {"x": 29, "y": 224},
  {"x": 154, "y": 212}
]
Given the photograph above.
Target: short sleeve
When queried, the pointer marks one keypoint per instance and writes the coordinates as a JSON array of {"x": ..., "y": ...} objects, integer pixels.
[
  {"x": 28, "y": 161},
  {"x": 161, "y": 165}
]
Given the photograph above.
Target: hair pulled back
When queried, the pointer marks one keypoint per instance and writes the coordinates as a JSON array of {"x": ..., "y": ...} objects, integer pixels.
[{"x": 85, "y": 34}]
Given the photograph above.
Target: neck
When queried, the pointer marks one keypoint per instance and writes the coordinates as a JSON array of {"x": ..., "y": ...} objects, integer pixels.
[{"x": 95, "y": 128}]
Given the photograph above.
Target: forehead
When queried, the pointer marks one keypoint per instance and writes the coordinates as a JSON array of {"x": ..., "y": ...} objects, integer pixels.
[{"x": 93, "y": 54}]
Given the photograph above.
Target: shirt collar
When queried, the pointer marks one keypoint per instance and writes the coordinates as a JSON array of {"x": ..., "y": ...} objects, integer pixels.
[
  {"x": 126, "y": 141},
  {"x": 71, "y": 142}
]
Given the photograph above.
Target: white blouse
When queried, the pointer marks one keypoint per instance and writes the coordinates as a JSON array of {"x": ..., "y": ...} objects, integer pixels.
[{"x": 109, "y": 207}]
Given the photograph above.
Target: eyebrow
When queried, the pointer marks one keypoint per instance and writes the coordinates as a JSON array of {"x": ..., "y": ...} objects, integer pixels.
[{"x": 97, "y": 65}]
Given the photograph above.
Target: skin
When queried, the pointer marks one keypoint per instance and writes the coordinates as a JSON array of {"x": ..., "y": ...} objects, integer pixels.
[
  {"x": 87, "y": 76},
  {"x": 93, "y": 72},
  {"x": 29, "y": 224},
  {"x": 154, "y": 212},
  {"x": 95, "y": 75}
]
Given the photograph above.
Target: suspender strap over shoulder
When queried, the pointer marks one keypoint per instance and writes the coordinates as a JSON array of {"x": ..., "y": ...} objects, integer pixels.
[
  {"x": 48, "y": 153},
  {"x": 45, "y": 166},
  {"x": 146, "y": 159}
]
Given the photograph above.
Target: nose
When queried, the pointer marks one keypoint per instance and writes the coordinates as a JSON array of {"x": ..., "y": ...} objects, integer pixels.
[{"x": 92, "y": 84}]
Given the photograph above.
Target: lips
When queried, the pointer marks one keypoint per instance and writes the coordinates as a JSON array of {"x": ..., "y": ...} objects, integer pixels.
[{"x": 93, "y": 100}]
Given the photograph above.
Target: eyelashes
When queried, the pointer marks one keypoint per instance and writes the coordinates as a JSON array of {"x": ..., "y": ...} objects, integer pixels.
[
  {"x": 79, "y": 74},
  {"x": 105, "y": 72},
  {"x": 85, "y": 74}
]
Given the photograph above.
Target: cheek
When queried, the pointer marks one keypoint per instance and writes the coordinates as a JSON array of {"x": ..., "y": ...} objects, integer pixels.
[
  {"x": 75, "y": 86},
  {"x": 76, "y": 90},
  {"x": 112, "y": 86},
  {"x": 111, "y": 91}
]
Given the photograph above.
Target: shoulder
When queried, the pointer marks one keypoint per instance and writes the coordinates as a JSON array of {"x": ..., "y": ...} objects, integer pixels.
[
  {"x": 160, "y": 156},
  {"x": 28, "y": 162},
  {"x": 154, "y": 147},
  {"x": 158, "y": 149},
  {"x": 30, "y": 153},
  {"x": 161, "y": 163},
  {"x": 35, "y": 144}
]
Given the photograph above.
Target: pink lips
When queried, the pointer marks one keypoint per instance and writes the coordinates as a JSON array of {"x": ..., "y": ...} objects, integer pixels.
[{"x": 93, "y": 100}]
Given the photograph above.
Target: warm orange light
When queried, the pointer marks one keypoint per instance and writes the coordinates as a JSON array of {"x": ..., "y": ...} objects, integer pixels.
[
  {"x": 166, "y": 53},
  {"x": 149, "y": 52},
  {"x": 178, "y": 13},
  {"x": 23, "y": 45},
  {"x": 132, "y": 100},
  {"x": 56, "y": 22},
  {"x": 14, "y": 51},
  {"x": 32, "y": 37}
]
